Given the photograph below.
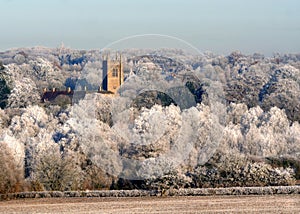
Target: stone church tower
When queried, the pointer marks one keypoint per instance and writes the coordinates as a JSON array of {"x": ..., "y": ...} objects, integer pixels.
[{"x": 113, "y": 74}]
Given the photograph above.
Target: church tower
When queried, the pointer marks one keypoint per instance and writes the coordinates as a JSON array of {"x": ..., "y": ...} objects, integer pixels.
[{"x": 113, "y": 74}]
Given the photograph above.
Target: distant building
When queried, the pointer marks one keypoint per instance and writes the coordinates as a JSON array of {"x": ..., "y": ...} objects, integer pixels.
[
  {"x": 113, "y": 74},
  {"x": 113, "y": 77}
]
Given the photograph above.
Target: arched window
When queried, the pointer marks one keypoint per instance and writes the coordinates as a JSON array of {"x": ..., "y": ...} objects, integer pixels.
[{"x": 115, "y": 72}]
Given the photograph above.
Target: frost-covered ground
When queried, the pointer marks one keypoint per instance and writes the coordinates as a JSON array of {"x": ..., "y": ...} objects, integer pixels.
[{"x": 211, "y": 204}]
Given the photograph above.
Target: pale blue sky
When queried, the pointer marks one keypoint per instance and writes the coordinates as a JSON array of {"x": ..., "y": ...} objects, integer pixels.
[{"x": 221, "y": 26}]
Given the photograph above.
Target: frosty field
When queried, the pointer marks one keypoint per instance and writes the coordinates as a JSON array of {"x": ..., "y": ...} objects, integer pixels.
[{"x": 208, "y": 204}]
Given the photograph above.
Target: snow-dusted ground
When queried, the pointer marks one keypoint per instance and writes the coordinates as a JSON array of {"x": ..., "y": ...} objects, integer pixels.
[{"x": 209, "y": 204}]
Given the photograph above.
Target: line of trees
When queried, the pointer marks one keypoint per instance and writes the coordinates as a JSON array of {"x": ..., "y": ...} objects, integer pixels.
[{"x": 106, "y": 142}]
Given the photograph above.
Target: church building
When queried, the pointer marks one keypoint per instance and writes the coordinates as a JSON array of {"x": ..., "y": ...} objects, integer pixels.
[{"x": 113, "y": 74}]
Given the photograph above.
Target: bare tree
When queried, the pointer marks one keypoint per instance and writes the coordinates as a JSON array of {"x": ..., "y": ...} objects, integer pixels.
[
  {"x": 11, "y": 178},
  {"x": 55, "y": 171}
]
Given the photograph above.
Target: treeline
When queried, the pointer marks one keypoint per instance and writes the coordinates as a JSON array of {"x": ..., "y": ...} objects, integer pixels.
[{"x": 237, "y": 124}]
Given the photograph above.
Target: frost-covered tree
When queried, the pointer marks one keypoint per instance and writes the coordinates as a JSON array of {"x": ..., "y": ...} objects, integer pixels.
[
  {"x": 283, "y": 91},
  {"x": 259, "y": 133},
  {"x": 19, "y": 58},
  {"x": 4, "y": 92},
  {"x": 92, "y": 72},
  {"x": 25, "y": 93},
  {"x": 54, "y": 169},
  {"x": 46, "y": 74}
]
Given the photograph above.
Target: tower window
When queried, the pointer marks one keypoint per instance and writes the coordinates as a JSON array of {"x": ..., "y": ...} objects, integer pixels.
[{"x": 115, "y": 72}]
